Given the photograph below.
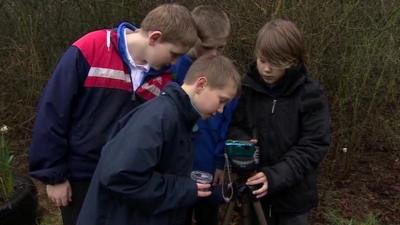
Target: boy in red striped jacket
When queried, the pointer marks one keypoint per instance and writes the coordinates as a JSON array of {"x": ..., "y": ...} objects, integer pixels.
[{"x": 100, "y": 78}]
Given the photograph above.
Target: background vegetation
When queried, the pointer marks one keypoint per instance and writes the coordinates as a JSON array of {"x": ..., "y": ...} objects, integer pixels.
[{"x": 353, "y": 50}]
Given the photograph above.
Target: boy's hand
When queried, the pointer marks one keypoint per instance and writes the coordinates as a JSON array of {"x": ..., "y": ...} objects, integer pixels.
[
  {"x": 59, "y": 194},
  {"x": 254, "y": 141},
  {"x": 203, "y": 190},
  {"x": 259, "y": 178},
  {"x": 218, "y": 177}
]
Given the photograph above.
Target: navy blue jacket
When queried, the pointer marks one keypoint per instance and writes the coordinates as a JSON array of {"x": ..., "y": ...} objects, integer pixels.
[
  {"x": 143, "y": 173},
  {"x": 209, "y": 138},
  {"x": 88, "y": 92}
]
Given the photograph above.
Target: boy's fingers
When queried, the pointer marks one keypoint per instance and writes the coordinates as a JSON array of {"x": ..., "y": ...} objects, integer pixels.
[
  {"x": 64, "y": 202},
  {"x": 261, "y": 192},
  {"x": 59, "y": 202},
  {"x": 254, "y": 141},
  {"x": 203, "y": 193},
  {"x": 256, "y": 179},
  {"x": 215, "y": 180},
  {"x": 218, "y": 177},
  {"x": 202, "y": 186},
  {"x": 256, "y": 176},
  {"x": 203, "y": 190},
  {"x": 261, "y": 195},
  {"x": 255, "y": 182}
]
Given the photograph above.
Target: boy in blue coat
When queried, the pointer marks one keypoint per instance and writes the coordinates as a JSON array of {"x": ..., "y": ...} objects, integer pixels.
[
  {"x": 143, "y": 173},
  {"x": 213, "y": 27}
]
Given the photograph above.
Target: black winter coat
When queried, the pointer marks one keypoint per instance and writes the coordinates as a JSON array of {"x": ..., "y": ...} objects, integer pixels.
[
  {"x": 143, "y": 174},
  {"x": 292, "y": 124}
]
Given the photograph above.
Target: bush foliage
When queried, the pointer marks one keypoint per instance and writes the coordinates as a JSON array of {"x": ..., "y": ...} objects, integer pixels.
[{"x": 353, "y": 50}]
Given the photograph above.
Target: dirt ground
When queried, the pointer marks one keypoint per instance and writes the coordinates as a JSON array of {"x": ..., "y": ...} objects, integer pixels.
[{"x": 372, "y": 186}]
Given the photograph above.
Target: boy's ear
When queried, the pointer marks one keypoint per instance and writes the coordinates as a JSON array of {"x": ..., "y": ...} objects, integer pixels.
[
  {"x": 154, "y": 36},
  {"x": 201, "y": 83}
]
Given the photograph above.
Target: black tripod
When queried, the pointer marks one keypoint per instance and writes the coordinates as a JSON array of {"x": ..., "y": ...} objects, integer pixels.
[{"x": 243, "y": 198}]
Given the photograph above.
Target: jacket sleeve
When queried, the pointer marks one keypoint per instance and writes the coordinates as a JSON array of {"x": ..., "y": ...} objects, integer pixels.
[
  {"x": 48, "y": 151},
  {"x": 223, "y": 131},
  {"x": 128, "y": 166},
  {"x": 240, "y": 127},
  {"x": 314, "y": 139}
]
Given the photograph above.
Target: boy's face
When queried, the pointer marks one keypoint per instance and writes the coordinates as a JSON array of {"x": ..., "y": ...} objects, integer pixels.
[
  {"x": 269, "y": 73},
  {"x": 208, "y": 101},
  {"x": 159, "y": 54},
  {"x": 209, "y": 46}
]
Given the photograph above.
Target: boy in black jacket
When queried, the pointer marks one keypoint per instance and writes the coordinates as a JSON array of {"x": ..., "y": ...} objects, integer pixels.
[
  {"x": 143, "y": 173},
  {"x": 286, "y": 114}
]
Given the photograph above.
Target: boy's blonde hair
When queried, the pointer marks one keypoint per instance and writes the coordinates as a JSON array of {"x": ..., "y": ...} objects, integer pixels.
[
  {"x": 211, "y": 22},
  {"x": 218, "y": 70},
  {"x": 175, "y": 23},
  {"x": 281, "y": 43}
]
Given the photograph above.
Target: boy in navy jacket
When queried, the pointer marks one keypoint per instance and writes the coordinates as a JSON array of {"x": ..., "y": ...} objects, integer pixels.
[
  {"x": 143, "y": 173},
  {"x": 100, "y": 78},
  {"x": 213, "y": 27}
]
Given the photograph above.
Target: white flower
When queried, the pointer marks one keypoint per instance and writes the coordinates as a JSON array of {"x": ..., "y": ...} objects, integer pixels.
[
  {"x": 344, "y": 150},
  {"x": 4, "y": 129}
]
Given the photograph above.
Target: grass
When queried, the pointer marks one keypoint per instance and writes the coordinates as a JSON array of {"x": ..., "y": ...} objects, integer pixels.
[
  {"x": 334, "y": 218},
  {"x": 51, "y": 220},
  {"x": 6, "y": 173}
]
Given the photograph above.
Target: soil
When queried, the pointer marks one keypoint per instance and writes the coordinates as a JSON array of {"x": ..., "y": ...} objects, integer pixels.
[{"x": 371, "y": 186}]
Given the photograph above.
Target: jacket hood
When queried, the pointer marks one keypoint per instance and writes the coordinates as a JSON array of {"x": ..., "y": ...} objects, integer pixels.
[
  {"x": 293, "y": 78},
  {"x": 183, "y": 102}
]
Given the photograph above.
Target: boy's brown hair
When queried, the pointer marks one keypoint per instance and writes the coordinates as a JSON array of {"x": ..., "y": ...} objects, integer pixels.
[
  {"x": 211, "y": 22},
  {"x": 281, "y": 43},
  {"x": 175, "y": 23},
  {"x": 218, "y": 70}
]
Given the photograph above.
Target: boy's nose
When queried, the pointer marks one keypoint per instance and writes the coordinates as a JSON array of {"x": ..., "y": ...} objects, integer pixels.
[
  {"x": 212, "y": 52},
  {"x": 267, "y": 68}
]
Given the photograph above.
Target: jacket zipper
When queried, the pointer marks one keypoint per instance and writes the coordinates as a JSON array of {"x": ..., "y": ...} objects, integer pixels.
[
  {"x": 108, "y": 39},
  {"x": 273, "y": 106},
  {"x": 270, "y": 211}
]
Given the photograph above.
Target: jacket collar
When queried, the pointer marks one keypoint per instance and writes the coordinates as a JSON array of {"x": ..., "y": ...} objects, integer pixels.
[
  {"x": 120, "y": 32},
  {"x": 183, "y": 102}
]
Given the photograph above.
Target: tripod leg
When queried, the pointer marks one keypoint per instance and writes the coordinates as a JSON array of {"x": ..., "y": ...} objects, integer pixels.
[
  {"x": 260, "y": 213},
  {"x": 229, "y": 213},
  {"x": 245, "y": 212}
]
